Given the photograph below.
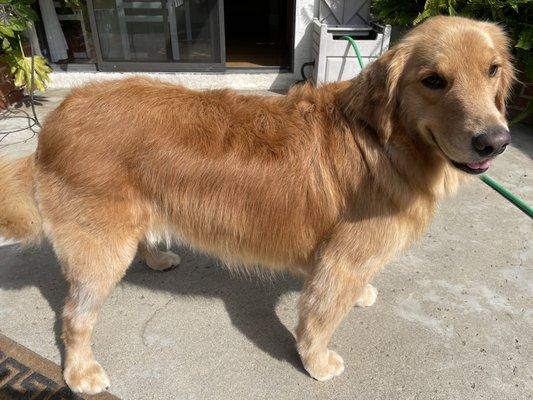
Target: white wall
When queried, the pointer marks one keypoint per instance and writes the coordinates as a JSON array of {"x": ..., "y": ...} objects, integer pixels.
[{"x": 305, "y": 11}]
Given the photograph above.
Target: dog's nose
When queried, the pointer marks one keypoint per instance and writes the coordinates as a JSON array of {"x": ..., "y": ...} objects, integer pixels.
[{"x": 491, "y": 142}]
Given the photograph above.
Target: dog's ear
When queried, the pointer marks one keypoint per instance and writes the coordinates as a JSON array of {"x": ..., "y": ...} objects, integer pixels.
[
  {"x": 507, "y": 79},
  {"x": 389, "y": 115},
  {"x": 507, "y": 71},
  {"x": 373, "y": 96}
]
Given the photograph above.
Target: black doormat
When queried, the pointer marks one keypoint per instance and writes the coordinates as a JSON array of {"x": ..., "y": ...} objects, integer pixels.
[{"x": 25, "y": 375}]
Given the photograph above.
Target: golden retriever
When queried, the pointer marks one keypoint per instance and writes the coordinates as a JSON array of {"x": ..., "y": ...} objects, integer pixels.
[{"x": 329, "y": 181}]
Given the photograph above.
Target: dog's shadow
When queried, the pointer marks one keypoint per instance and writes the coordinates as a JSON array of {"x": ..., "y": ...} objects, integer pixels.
[{"x": 250, "y": 303}]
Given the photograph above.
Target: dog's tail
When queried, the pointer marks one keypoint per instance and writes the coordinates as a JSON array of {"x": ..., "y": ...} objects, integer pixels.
[{"x": 20, "y": 219}]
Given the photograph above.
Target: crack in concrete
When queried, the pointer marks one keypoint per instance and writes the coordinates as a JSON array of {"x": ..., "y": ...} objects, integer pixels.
[{"x": 149, "y": 320}]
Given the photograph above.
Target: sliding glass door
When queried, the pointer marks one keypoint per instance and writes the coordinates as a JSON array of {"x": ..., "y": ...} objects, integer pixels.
[{"x": 164, "y": 35}]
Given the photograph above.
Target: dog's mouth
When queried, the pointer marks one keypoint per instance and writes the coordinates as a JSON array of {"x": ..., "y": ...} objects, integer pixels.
[{"x": 473, "y": 168}]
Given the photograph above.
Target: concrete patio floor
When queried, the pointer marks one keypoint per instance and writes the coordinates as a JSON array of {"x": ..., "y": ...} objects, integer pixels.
[{"x": 453, "y": 319}]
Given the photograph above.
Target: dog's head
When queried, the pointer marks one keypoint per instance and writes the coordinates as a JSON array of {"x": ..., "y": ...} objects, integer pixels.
[{"x": 448, "y": 80}]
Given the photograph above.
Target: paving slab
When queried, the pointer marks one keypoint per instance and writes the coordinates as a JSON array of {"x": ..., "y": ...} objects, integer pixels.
[{"x": 453, "y": 319}]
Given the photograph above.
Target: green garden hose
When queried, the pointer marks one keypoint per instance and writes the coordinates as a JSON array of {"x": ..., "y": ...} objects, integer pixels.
[
  {"x": 517, "y": 201},
  {"x": 356, "y": 49},
  {"x": 513, "y": 198}
]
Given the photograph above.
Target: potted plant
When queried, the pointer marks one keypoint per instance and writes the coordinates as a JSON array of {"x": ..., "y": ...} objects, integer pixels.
[{"x": 16, "y": 16}]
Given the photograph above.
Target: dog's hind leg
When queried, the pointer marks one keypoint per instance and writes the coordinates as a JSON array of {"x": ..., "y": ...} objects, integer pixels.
[
  {"x": 156, "y": 259},
  {"x": 367, "y": 296},
  {"x": 92, "y": 263}
]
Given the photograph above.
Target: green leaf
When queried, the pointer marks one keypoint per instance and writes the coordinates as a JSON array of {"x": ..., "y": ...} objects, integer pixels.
[
  {"x": 513, "y": 4},
  {"x": 451, "y": 10},
  {"x": 5, "y": 44},
  {"x": 525, "y": 40},
  {"x": 26, "y": 12},
  {"x": 6, "y": 31},
  {"x": 20, "y": 68},
  {"x": 19, "y": 78},
  {"x": 18, "y": 25},
  {"x": 422, "y": 16}
]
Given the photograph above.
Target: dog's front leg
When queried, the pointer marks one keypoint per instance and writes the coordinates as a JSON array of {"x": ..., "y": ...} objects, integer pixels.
[{"x": 330, "y": 292}]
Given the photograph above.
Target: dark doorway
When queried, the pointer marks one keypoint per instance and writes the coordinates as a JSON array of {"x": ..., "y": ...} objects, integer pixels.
[{"x": 259, "y": 34}]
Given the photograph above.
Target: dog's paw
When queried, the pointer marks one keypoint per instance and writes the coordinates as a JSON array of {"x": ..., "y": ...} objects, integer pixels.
[
  {"x": 90, "y": 378},
  {"x": 324, "y": 366},
  {"x": 368, "y": 296},
  {"x": 164, "y": 260}
]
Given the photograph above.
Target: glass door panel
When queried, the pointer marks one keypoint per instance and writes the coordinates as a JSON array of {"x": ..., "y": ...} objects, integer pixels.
[{"x": 158, "y": 34}]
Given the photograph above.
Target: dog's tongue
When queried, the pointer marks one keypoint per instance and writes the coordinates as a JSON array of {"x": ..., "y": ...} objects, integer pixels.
[{"x": 480, "y": 165}]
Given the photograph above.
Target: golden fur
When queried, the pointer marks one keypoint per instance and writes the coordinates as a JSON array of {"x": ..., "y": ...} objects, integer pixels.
[{"x": 331, "y": 182}]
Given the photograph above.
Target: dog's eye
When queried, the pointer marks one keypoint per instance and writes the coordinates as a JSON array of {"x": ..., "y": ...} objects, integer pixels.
[
  {"x": 434, "y": 82},
  {"x": 492, "y": 70}
]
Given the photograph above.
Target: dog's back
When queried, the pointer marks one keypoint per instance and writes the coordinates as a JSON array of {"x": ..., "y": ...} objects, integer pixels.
[{"x": 243, "y": 177}]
